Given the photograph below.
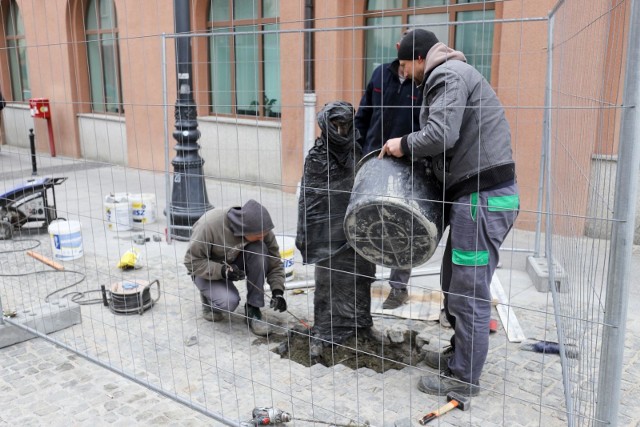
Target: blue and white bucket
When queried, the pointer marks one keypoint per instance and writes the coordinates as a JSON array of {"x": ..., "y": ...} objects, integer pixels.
[
  {"x": 287, "y": 247},
  {"x": 66, "y": 240}
]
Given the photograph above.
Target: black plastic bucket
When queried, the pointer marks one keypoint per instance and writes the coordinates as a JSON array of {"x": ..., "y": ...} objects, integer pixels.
[{"x": 394, "y": 217}]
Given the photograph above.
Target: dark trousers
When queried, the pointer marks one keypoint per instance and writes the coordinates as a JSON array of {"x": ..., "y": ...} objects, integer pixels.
[
  {"x": 398, "y": 279},
  {"x": 223, "y": 294},
  {"x": 477, "y": 229}
]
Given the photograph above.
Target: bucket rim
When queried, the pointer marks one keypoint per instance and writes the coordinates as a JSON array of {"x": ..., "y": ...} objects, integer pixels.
[
  {"x": 141, "y": 196},
  {"x": 70, "y": 223},
  {"x": 367, "y": 157},
  {"x": 376, "y": 153},
  {"x": 285, "y": 239}
]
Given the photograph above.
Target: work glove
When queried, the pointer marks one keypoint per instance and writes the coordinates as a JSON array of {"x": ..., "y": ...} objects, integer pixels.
[
  {"x": 232, "y": 272},
  {"x": 278, "y": 302}
]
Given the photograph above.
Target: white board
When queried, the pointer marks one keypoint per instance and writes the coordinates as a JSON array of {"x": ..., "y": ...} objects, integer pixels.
[{"x": 505, "y": 311}]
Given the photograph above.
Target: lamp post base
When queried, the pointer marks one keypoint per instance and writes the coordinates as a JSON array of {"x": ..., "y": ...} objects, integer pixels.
[{"x": 181, "y": 220}]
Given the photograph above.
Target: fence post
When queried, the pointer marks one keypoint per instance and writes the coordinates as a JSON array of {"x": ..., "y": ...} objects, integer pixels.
[
  {"x": 165, "y": 121},
  {"x": 546, "y": 134},
  {"x": 615, "y": 313},
  {"x": 546, "y": 170}
]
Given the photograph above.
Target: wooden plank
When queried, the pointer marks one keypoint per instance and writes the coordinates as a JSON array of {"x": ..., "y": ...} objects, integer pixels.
[
  {"x": 43, "y": 259},
  {"x": 506, "y": 313}
]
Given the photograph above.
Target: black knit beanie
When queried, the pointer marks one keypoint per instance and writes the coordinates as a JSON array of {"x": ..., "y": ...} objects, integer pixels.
[
  {"x": 416, "y": 43},
  {"x": 252, "y": 218}
]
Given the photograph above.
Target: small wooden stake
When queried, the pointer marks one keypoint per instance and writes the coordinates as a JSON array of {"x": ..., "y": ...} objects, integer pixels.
[{"x": 43, "y": 259}]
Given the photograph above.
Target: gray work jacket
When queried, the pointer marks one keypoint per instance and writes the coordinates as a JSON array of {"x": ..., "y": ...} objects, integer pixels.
[
  {"x": 213, "y": 243},
  {"x": 463, "y": 129}
]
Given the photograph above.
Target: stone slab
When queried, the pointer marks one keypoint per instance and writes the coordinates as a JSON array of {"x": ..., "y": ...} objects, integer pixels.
[
  {"x": 538, "y": 270},
  {"x": 45, "y": 318}
]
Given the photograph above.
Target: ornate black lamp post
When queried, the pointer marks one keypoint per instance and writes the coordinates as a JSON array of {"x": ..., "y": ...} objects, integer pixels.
[{"x": 189, "y": 198}]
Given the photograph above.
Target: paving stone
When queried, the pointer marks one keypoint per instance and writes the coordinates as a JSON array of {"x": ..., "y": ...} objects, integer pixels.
[
  {"x": 397, "y": 333},
  {"x": 44, "y": 409},
  {"x": 14, "y": 376},
  {"x": 77, "y": 407},
  {"x": 92, "y": 413},
  {"x": 111, "y": 405}
]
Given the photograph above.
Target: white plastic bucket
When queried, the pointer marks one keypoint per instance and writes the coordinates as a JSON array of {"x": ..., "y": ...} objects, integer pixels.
[
  {"x": 143, "y": 208},
  {"x": 287, "y": 247},
  {"x": 66, "y": 239},
  {"x": 116, "y": 212}
]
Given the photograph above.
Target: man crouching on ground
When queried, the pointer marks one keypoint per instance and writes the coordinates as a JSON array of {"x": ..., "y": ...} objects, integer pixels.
[{"x": 231, "y": 244}]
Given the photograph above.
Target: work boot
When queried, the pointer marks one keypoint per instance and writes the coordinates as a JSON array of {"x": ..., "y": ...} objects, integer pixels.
[
  {"x": 253, "y": 317},
  {"x": 446, "y": 382},
  {"x": 208, "y": 312},
  {"x": 444, "y": 322},
  {"x": 439, "y": 359},
  {"x": 395, "y": 299}
]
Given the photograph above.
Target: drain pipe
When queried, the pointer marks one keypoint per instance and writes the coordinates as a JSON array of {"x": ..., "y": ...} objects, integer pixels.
[
  {"x": 308, "y": 47},
  {"x": 310, "y": 97}
]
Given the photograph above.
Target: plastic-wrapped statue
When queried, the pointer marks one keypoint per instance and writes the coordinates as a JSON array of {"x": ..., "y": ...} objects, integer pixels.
[
  {"x": 329, "y": 171},
  {"x": 342, "y": 299}
]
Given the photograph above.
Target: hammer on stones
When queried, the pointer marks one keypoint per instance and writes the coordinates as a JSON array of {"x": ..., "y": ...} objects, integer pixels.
[{"x": 454, "y": 400}]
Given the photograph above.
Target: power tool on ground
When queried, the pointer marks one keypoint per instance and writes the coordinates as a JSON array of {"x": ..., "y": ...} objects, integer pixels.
[{"x": 263, "y": 416}]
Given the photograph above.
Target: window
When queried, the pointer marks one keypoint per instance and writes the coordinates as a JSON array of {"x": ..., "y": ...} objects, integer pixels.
[
  {"x": 244, "y": 64},
  {"x": 17, "y": 53},
  {"x": 103, "y": 57},
  {"x": 388, "y": 16}
]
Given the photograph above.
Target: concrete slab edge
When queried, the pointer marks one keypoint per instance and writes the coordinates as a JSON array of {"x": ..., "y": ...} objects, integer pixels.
[{"x": 45, "y": 318}]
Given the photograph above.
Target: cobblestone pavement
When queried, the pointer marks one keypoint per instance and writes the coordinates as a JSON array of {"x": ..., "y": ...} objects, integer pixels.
[
  {"x": 221, "y": 367},
  {"x": 44, "y": 384}
]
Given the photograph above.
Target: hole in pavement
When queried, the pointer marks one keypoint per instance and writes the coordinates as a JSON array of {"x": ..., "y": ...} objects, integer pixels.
[{"x": 354, "y": 353}]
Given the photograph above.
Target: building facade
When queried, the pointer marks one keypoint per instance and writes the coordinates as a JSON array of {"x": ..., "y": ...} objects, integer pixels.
[{"x": 256, "y": 66}]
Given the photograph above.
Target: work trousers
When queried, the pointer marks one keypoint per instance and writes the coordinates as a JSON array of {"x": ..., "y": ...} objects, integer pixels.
[
  {"x": 223, "y": 294},
  {"x": 478, "y": 223},
  {"x": 398, "y": 279}
]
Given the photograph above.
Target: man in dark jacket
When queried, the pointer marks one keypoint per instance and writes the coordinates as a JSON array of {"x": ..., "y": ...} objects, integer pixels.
[
  {"x": 231, "y": 244},
  {"x": 389, "y": 108},
  {"x": 465, "y": 132}
]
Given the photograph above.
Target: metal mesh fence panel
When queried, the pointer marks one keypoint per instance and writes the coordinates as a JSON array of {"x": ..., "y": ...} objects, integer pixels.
[
  {"x": 584, "y": 112},
  {"x": 148, "y": 140}
]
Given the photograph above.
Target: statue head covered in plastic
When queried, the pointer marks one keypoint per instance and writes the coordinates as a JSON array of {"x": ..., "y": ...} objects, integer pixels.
[{"x": 336, "y": 123}]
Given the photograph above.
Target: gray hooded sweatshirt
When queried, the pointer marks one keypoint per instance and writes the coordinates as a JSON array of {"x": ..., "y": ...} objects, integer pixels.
[
  {"x": 217, "y": 239},
  {"x": 463, "y": 127}
]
